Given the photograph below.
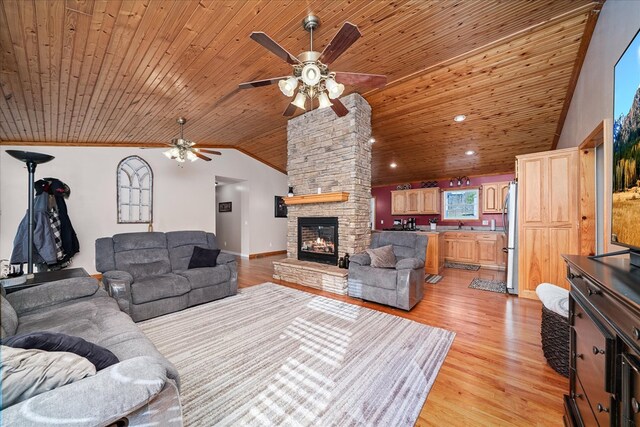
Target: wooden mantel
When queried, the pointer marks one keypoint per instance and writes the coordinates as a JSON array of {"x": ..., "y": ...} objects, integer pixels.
[{"x": 317, "y": 198}]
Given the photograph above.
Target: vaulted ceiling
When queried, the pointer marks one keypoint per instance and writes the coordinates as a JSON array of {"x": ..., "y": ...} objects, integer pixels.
[{"x": 120, "y": 72}]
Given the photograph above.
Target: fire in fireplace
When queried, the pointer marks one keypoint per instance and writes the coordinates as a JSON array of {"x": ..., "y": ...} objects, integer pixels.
[{"x": 318, "y": 239}]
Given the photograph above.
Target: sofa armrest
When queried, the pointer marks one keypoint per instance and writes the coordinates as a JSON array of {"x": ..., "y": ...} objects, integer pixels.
[
  {"x": 360, "y": 259},
  {"x": 118, "y": 285},
  {"x": 52, "y": 293},
  {"x": 224, "y": 258},
  {"x": 409, "y": 264},
  {"x": 97, "y": 400}
]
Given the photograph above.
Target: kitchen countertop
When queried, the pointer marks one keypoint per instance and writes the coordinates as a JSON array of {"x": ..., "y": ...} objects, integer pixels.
[{"x": 446, "y": 229}]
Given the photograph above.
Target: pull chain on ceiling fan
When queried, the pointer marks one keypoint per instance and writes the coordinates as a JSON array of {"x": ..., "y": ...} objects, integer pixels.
[
  {"x": 311, "y": 75},
  {"x": 182, "y": 149}
]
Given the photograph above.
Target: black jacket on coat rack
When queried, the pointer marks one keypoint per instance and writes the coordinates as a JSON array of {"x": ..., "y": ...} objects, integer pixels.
[{"x": 60, "y": 191}]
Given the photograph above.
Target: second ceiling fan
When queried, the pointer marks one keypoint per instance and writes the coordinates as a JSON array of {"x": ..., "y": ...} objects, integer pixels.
[{"x": 311, "y": 75}]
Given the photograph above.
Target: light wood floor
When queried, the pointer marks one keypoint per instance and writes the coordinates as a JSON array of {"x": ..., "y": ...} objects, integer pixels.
[{"x": 495, "y": 373}]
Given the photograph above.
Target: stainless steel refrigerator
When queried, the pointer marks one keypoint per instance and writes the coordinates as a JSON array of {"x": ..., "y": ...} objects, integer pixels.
[{"x": 509, "y": 220}]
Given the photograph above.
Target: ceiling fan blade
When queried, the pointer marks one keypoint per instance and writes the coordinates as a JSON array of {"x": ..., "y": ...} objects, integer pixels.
[
  {"x": 347, "y": 36},
  {"x": 339, "y": 108},
  {"x": 201, "y": 156},
  {"x": 258, "y": 83},
  {"x": 204, "y": 150},
  {"x": 369, "y": 80},
  {"x": 290, "y": 110},
  {"x": 274, "y": 47}
]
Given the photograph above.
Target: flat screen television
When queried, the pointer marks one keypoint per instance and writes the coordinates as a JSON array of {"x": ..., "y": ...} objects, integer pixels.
[{"x": 625, "y": 200}]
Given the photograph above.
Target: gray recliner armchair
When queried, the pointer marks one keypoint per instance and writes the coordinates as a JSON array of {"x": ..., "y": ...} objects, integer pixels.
[{"x": 400, "y": 287}]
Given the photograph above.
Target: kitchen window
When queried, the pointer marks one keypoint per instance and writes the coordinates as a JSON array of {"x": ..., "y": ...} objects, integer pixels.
[{"x": 461, "y": 204}]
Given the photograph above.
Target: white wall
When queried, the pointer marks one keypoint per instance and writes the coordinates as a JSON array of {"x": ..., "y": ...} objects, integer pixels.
[
  {"x": 592, "y": 100},
  {"x": 229, "y": 224},
  {"x": 184, "y": 198}
]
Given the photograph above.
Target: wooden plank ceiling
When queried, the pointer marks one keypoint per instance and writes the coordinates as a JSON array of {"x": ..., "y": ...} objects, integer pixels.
[{"x": 121, "y": 72}]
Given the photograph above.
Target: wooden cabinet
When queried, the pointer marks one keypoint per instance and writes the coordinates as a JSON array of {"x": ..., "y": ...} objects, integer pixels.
[
  {"x": 482, "y": 248},
  {"x": 435, "y": 253},
  {"x": 493, "y": 196},
  {"x": 414, "y": 202},
  {"x": 605, "y": 342},
  {"x": 398, "y": 202},
  {"x": 420, "y": 201},
  {"x": 547, "y": 217},
  {"x": 430, "y": 200}
]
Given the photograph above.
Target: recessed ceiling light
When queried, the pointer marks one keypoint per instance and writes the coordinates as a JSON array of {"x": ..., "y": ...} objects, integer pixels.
[
  {"x": 372, "y": 140},
  {"x": 469, "y": 152},
  {"x": 393, "y": 165},
  {"x": 459, "y": 118}
]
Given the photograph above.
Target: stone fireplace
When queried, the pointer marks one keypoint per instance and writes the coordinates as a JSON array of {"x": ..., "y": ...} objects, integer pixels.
[{"x": 328, "y": 154}]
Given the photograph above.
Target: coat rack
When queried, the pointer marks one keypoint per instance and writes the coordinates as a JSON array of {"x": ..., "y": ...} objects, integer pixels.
[{"x": 32, "y": 160}]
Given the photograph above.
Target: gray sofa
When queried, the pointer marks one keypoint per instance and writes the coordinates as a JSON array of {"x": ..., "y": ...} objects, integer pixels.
[
  {"x": 142, "y": 388},
  {"x": 148, "y": 272},
  {"x": 400, "y": 287}
]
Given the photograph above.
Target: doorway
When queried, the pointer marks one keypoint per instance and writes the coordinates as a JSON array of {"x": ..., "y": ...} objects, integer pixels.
[{"x": 231, "y": 208}]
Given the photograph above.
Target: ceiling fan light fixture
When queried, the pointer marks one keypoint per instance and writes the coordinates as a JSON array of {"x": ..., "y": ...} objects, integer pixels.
[
  {"x": 190, "y": 156},
  {"x": 300, "y": 100},
  {"x": 324, "y": 101},
  {"x": 311, "y": 74},
  {"x": 288, "y": 86},
  {"x": 334, "y": 88}
]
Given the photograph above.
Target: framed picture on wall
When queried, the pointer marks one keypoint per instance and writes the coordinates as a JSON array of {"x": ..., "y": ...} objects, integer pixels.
[
  {"x": 280, "y": 207},
  {"x": 224, "y": 207}
]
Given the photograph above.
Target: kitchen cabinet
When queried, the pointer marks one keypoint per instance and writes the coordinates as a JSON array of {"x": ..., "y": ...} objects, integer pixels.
[
  {"x": 419, "y": 201},
  {"x": 493, "y": 196},
  {"x": 547, "y": 217},
  {"x": 398, "y": 202},
  {"x": 482, "y": 248},
  {"x": 435, "y": 253}
]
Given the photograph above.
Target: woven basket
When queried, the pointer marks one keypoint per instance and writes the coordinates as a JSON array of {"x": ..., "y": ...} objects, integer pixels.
[{"x": 555, "y": 340}]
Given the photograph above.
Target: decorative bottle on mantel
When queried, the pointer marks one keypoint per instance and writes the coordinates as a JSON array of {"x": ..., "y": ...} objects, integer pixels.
[
  {"x": 346, "y": 260},
  {"x": 341, "y": 263}
]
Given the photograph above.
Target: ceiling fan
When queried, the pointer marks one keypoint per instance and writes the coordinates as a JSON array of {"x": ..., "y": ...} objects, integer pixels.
[
  {"x": 311, "y": 75},
  {"x": 182, "y": 149}
]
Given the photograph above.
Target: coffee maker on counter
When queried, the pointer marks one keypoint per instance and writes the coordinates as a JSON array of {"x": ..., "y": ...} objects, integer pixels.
[{"x": 411, "y": 224}]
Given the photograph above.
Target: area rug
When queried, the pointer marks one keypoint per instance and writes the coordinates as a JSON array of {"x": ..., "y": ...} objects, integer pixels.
[
  {"x": 461, "y": 266},
  {"x": 273, "y": 355},
  {"x": 432, "y": 278},
  {"x": 489, "y": 285}
]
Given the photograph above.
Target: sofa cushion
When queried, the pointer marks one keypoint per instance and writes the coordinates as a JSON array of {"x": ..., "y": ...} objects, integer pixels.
[
  {"x": 181, "y": 244},
  {"x": 157, "y": 287},
  {"x": 208, "y": 276},
  {"x": 8, "y": 318},
  {"x": 203, "y": 257},
  {"x": 100, "y": 321},
  {"x": 382, "y": 257},
  {"x": 371, "y": 276},
  {"x": 52, "y": 341},
  {"x": 137, "y": 241},
  {"x": 146, "y": 269},
  {"x": 28, "y": 373}
]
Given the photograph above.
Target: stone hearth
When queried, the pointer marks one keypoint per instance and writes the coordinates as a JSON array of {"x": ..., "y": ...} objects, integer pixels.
[{"x": 334, "y": 154}]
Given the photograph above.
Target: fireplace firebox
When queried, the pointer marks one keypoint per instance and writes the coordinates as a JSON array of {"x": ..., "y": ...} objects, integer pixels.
[{"x": 318, "y": 239}]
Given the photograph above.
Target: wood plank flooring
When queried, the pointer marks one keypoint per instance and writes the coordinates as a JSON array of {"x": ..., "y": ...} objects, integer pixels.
[{"x": 495, "y": 373}]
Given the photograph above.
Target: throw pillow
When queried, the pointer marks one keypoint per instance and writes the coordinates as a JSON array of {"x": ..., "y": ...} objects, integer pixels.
[
  {"x": 51, "y": 341},
  {"x": 382, "y": 257},
  {"x": 203, "y": 257},
  {"x": 28, "y": 373},
  {"x": 8, "y": 317}
]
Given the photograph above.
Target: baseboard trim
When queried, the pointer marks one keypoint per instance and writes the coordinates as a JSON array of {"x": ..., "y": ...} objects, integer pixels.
[{"x": 266, "y": 254}]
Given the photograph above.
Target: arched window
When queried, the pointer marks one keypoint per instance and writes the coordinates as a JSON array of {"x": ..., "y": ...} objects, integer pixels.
[{"x": 135, "y": 191}]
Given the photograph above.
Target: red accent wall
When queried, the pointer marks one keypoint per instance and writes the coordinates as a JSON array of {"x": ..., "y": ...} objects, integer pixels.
[{"x": 383, "y": 203}]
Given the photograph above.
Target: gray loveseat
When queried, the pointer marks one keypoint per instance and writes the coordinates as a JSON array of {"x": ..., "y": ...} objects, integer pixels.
[
  {"x": 400, "y": 287},
  {"x": 148, "y": 272},
  {"x": 142, "y": 387}
]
